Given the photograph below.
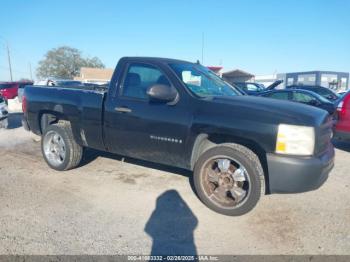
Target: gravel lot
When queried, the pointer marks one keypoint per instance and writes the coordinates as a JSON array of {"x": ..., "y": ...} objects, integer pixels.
[{"x": 108, "y": 206}]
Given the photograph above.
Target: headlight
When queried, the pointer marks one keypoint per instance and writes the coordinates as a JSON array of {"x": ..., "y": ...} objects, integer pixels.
[{"x": 295, "y": 140}]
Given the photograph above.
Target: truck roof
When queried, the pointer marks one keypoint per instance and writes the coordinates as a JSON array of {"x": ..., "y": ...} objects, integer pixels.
[{"x": 154, "y": 59}]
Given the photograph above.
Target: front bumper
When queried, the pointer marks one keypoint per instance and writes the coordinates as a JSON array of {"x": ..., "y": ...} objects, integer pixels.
[{"x": 290, "y": 174}]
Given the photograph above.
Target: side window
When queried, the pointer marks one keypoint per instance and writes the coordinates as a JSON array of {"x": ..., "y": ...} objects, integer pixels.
[
  {"x": 139, "y": 78},
  {"x": 251, "y": 87},
  {"x": 279, "y": 95},
  {"x": 303, "y": 98}
]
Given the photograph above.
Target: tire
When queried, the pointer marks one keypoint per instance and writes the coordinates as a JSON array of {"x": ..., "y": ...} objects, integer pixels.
[
  {"x": 249, "y": 182},
  {"x": 72, "y": 152},
  {"x": 4, "y": 123}
]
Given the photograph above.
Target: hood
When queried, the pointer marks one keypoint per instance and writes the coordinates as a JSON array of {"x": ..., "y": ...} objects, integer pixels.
[
  {"x": 270, "y": 110},
  {"x": 274, "y": 84}
]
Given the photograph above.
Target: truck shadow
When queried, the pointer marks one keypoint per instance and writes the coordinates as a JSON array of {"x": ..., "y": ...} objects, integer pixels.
[
  {"x": 91, "y": 154},
  {"x": 14, "y": 120},
  {"x": 171, "y": 226},
  {"x": 342, "y": 145}
]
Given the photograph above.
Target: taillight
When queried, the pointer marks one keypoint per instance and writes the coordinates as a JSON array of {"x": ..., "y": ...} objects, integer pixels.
[
  {"x": 24, "y": 104},
  {"x": 342, "y": 107}
]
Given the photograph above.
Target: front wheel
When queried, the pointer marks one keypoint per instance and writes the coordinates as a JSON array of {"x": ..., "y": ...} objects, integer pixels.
[
  {"x": 229, "y": 179},
  {"x": 59, "y": 148}
]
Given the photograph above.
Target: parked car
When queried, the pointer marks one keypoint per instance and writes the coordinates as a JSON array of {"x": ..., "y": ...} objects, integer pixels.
[
  {"x": 322, "y": 91},
  {"x": 21, "y": 89},
  {"x": 342, "y": 93},
  {"x": 256, "y": 88},
  {"x": 342, "y": 128},
  {"x": 251, "y": 88},
  {"x": 181, "y": 114},
  {"x": 3, "y": 113},
  {"x": 58, "y": 82},
  {"x": 65, "y": 83},
  {"x": 303, "y": 96},
  {"x": 8, "y": 90}
]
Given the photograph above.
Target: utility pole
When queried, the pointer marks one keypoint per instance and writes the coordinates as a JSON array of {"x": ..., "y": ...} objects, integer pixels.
[
  {"x": 202, "y": 48},
  {"x": 9, "y": 60},
  {"x": 30, "y": 71}
]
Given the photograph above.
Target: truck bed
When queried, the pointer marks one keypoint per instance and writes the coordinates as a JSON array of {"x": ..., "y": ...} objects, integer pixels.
[{"x": 82, "y": 106}]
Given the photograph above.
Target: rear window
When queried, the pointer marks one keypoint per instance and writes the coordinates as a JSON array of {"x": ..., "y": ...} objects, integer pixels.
[{"x": 4, "y": 86}]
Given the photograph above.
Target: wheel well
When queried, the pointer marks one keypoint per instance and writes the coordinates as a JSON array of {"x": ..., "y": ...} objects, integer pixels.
[
  {"x": 49, "y": 118},
  {"x": 207, "y": 141}
]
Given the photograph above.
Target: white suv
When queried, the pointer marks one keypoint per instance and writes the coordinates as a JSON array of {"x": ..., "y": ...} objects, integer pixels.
[{"x": 3, "y": 113}]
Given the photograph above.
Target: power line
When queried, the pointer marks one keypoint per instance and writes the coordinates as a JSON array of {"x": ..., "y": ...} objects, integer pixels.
[
  {"x": 8, "y": 57},
  {"x": 30, "y": 71},
  {"x": 9, "y": 60},
  {"x": 202, "y": 48}
]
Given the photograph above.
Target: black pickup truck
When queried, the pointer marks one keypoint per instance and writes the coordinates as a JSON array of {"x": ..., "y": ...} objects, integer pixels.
[{"x": 181, "y": 114}]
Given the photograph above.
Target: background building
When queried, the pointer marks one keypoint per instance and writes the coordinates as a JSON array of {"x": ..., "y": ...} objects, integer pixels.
[
  {"x": 236, "y": 76},
  {"x": 334, "y": 80},
  {"x": 95, "y": 75},
  {"x": 338, "y": 81}
]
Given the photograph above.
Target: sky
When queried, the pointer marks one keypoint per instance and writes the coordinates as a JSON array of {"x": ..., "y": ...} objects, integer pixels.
[{"x": 261, "y": 37}]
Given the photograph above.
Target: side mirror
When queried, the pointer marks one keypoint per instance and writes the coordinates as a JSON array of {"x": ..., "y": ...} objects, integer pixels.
[{"x": 162, "y": 93}]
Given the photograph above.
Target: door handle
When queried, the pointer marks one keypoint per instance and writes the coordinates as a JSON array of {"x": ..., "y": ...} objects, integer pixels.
[{"x": 123, "y": 109}]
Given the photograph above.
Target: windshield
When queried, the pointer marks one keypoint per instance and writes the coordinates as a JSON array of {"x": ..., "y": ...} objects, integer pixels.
[
  {"x": 325, "y": 92},
  {"x": 202, "y": 81},
  {"x": 321, "y": 98}
]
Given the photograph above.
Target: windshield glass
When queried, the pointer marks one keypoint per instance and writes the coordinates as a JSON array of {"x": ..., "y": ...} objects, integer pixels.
[
  {"x": 202, "y": 81},
  {"x": 324, "y": 92},
  {"x": 320, "y": 97}
]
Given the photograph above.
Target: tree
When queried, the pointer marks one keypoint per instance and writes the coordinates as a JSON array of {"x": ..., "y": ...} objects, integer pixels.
[{"x": 65, "y": 62}]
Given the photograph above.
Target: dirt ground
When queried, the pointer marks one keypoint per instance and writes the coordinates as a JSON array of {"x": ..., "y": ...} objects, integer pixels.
[{"x": 108, "y": 206}]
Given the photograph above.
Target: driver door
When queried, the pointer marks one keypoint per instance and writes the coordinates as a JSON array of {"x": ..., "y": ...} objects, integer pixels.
[{"x": 139, "y": 128}]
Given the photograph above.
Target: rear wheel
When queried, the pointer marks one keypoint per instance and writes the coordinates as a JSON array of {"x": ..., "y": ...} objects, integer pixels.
[
  {"x": 4, "y": 123},
  {"x": 59, "y": 148},
  {"x": 229, "y": 179}
]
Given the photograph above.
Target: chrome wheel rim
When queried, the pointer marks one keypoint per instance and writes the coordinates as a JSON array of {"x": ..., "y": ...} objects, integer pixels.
[
  {"x": 54, "y": 148},
  {"x": 225, "y": 182}
]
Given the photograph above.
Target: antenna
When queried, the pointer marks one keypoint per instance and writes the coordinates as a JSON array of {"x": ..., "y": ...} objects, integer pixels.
[{"x": 30, "y": 71}]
